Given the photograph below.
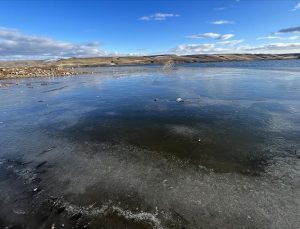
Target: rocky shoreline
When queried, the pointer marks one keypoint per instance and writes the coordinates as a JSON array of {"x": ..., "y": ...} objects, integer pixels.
[
  {"x": 66, "y": 67},
  {"x": 27, "y": 72}
]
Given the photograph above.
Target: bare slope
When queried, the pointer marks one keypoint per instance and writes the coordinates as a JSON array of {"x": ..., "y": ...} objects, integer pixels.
[
  {"x": 162, "y": 59},
  {"x": 23, "y": 69}
]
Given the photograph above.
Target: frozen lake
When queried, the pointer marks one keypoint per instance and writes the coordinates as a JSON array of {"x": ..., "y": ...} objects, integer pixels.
[{"x": 114, "y": 149}]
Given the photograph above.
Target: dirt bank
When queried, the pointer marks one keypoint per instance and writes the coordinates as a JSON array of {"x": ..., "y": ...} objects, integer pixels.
[{"x": 64, "y": 67}]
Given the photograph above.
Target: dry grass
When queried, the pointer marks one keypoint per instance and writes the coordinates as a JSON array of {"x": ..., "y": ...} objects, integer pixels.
[{"x": 20, "y": 69}]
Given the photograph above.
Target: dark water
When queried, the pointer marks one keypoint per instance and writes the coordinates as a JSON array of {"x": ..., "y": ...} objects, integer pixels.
[{"x": 114, "y": 149}]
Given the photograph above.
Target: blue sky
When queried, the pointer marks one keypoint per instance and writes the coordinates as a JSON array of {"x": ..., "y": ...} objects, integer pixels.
[{"x": 42, "y": 29}]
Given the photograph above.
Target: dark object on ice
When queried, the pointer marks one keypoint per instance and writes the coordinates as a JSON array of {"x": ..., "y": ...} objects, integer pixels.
[
  {"x": 41, "y": 164},
  {"x": 47, "y": 150},
  {"x": 59, "y": 210},
  {"x": 76, "y": 216}
]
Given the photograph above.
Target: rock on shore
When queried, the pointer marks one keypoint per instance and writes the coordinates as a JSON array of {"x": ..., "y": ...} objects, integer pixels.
[{"x": 26, "y": 72}]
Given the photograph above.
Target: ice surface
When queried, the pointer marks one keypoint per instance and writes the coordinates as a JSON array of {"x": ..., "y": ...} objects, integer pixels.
[{"x": 115, "y": 150}]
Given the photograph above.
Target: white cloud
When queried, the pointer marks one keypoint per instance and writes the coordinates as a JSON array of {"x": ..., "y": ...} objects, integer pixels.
[
  {"x": 297, "y": 7},
  {"x": 278, "y": 38},
  {"x": 222, "y": 22},
  {"x": 293, "y": 37},
  {"x": 231, "y": 42},
  {"x": 211, "y": 36},
  {"x": 208, "y": 48},
  {"x": 277, "y": 48},
  {"x": 158, "y": 16},
  {"x": 197, "y": 49},
  {"x": 226, "y": 36},
  {"x": 205, "y": 35},
  {"x": 16, "y": 45},
  {"x": 214, "y": 48}
]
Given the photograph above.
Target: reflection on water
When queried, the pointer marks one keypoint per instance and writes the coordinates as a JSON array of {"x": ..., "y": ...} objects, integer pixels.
[{"x": 116, "y": 150}]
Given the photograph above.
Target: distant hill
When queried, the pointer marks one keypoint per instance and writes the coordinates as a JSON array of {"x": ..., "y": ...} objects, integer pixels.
[
  {"x": 163, "y": 59},
  {"x": 63, "y": 67}
]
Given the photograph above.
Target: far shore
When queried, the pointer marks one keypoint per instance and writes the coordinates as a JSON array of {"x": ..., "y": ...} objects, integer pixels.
[{"x": 66, "y": 67}]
